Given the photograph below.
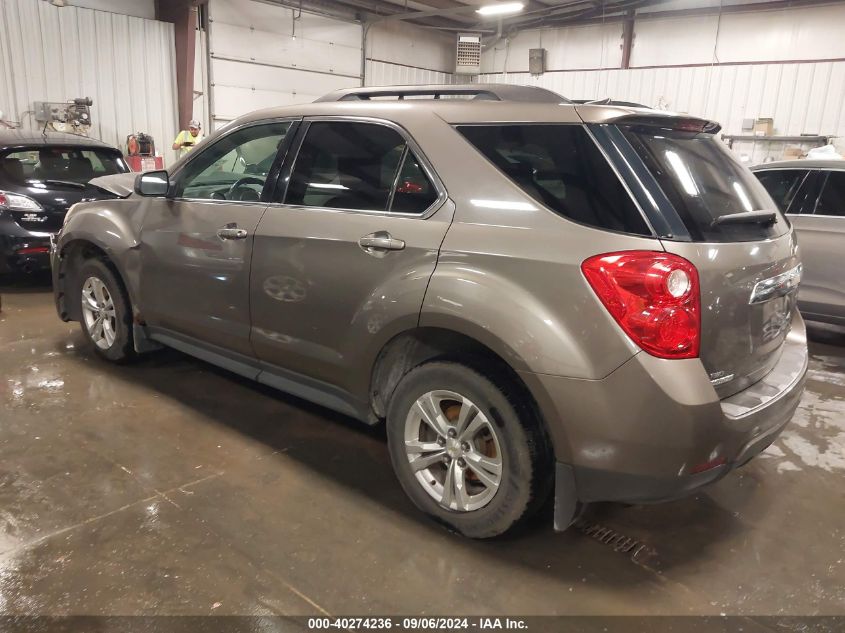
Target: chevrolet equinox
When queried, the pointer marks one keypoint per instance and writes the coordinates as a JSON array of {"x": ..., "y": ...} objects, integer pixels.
[{"x": 537, "y": 297}]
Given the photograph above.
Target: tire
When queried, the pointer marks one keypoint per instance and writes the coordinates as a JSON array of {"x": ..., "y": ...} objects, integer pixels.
[
  {"x": 504, "y": 430},
  {"x": 97, "y": 280}
]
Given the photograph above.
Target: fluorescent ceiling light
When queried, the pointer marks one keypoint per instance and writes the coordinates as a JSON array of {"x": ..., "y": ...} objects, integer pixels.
[{"x": 501, "y": 9}]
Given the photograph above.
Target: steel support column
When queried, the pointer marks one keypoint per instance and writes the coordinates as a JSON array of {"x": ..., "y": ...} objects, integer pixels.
[
  {"x": 627, "y": 39},
  {"x": 183, "y": 15}
]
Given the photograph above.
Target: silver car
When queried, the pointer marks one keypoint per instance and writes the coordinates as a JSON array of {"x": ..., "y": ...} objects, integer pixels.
[
  {"x": 812, "y": 194},
  {"x": 537, "y": 297}
]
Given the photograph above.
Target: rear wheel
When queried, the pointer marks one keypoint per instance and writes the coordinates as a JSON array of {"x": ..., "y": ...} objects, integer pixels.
[
  {"x": 106, "y": 315},
  {"x": 466, "y": 451}
]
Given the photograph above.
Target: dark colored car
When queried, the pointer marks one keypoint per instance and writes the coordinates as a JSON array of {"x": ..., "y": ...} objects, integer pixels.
[
  {"x": 41, "y": 176},
  {"x": 812, "y": 194}
]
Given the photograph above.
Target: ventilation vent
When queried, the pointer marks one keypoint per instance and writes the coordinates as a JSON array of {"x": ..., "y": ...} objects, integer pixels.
[{"x": 468, "y": 58}]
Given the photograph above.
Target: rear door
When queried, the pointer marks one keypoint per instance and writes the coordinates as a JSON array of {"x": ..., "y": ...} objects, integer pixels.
[
  {"x": 747, "y": 265},
  {"x": 342, "y": 260},
  {"x": 821, "y": 234}
]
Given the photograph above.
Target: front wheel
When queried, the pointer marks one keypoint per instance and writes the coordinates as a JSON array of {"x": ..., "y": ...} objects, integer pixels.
[
  {"x": 466, "y": 451},
  {"x": 106, "y": 315}
]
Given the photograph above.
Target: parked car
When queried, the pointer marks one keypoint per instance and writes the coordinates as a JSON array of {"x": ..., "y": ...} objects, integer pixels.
[
  {"x": 41, "y": 176},
  {"x": 535, "y": 296},
  {"x": 812, "y": 194}
]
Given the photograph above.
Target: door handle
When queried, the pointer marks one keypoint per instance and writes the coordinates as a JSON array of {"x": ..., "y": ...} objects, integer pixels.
[
  {"x": 232, "y": 233},
  {"x": 381, "y": 241}
]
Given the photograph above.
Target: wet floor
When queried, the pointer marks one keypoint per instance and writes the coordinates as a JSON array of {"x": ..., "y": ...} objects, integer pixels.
[{"x": 172, "y": 487}]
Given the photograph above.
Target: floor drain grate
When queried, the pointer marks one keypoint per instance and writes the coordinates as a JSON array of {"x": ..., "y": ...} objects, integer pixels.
[{"x": 616, "y": 540}]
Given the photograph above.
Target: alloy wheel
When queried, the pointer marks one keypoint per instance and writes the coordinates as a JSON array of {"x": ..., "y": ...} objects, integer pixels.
[
  {"x": 453, "y": 450},
  {"x": 99, "y": 312}
]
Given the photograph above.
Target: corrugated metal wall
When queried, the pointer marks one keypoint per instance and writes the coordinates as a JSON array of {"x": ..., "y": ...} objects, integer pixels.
[
  {"x": 378, "y": 73},
  {"x": 802, "y": 98},
  {"x": 125, "y": 64}
]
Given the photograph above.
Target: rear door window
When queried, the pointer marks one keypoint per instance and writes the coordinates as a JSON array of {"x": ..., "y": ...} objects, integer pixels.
[
  {"x": 562, "y": 168},
  {"x": 414, "y": 192},
  {"x": 832, "y": 198},
  {"x": 358, "y": 166},
  {"x": 782, "y": 185},
  {"x": 704, "y": 181}
]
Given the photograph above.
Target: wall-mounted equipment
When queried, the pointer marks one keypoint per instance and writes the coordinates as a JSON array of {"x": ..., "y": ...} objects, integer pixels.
[
  {"x": 468, "y": 54},
  {"x": 69, "y": 116},
  {"x": 537, "y": 61}
]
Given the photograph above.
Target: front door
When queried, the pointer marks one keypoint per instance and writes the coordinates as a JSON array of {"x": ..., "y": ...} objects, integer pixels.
[
  {"x": 821, "y": 237},
  {"x": 196, "y": 246},
  {"x": 342, "y": 262}
]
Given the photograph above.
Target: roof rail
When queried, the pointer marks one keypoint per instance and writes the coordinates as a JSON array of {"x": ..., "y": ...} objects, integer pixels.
[{"x": 485, "y": 92}]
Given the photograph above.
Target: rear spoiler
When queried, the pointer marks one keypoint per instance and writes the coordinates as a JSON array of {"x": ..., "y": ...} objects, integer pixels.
[
  {"x": 600, "y": 113},
  {"x": 672, "y": 122}
]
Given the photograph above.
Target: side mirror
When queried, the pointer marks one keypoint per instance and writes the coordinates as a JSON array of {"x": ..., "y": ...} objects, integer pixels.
[{"x": 152, "y": 183}]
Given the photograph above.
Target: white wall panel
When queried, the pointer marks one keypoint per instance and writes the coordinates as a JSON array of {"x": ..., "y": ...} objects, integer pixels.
[
  {"x": 385, "y": 74},
  {"x": 125, "y": 64},
  {"x": 746, "y": 65},
  {"x": 261, "y": 56},
  {"x": 399, "y": 43},
  {"x": 674, "y": 41},
  {"x": 266, "y": 47},
  {"x": 138, "y": 8},
  {"x": 802, "y": 98},
  {"x": 241, "y": 87},
  {"x": 807, "y": 33},
  {"x": 592, "y": 46},
  {"x": 786, "y": 35}
]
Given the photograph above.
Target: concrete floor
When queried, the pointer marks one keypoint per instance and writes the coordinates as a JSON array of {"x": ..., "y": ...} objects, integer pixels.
[{"x": 172, "y": 487}]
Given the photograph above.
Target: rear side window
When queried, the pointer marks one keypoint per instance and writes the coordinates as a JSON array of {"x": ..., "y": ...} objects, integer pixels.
[
  {"x": 832, "y": 199},
  {"x": 361, "y": 166},
  {"x": 782, "y": 185},
  {"x": 703, "y": 181},
  {"x": 560, "y": 167}
]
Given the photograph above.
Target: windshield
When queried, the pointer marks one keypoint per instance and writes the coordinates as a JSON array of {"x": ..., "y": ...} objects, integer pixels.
[
  {"x": 60, "y": 165},
  {"x": 704, "y": 182}
]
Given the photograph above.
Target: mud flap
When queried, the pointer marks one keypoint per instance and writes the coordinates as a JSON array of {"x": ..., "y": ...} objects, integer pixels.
[{"x": 566, "y": 498}]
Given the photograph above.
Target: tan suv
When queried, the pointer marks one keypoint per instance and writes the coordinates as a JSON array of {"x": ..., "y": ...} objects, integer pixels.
[{"x": 536, "y": 296}]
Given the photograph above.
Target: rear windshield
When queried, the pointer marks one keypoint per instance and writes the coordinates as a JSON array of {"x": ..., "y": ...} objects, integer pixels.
[
  {"x": 704, "y": 181},
  {"x": 560, "y": 167},
  {"x": 74, "y": 165}
]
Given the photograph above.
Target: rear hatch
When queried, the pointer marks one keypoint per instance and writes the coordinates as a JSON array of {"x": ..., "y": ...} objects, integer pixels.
[
  {"x": 55, "y": 177},
  {"x": 743, "y": 247}
]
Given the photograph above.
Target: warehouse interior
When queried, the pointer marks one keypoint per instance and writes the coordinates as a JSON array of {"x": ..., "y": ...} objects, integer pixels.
[{"x": 172, "y": 486}]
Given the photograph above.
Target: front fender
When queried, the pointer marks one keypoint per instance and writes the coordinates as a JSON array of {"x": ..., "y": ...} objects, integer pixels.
[{"x": 113, "y": 227}]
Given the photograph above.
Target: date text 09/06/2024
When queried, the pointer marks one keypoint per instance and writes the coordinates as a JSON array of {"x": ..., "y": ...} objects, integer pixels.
[{"x": 417, "y": 623}]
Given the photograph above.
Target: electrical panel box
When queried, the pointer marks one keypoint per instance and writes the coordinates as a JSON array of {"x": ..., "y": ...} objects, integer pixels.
[
  {"x": 45, "y": 112},
  {"x": 537, "y": 61},
  {"x": 68, "y": 116},
  {"x": 468, "y": 54}
]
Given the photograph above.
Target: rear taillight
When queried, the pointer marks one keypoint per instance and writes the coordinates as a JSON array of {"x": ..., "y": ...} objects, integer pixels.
[
  {"x": 654, "y": 296},
  {"x": 32, "y": 250}
]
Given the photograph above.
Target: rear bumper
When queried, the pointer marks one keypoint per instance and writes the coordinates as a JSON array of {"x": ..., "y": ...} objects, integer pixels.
[
  {"x": 20, "y": 254},
  {"x": 655, "y": 429}
]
